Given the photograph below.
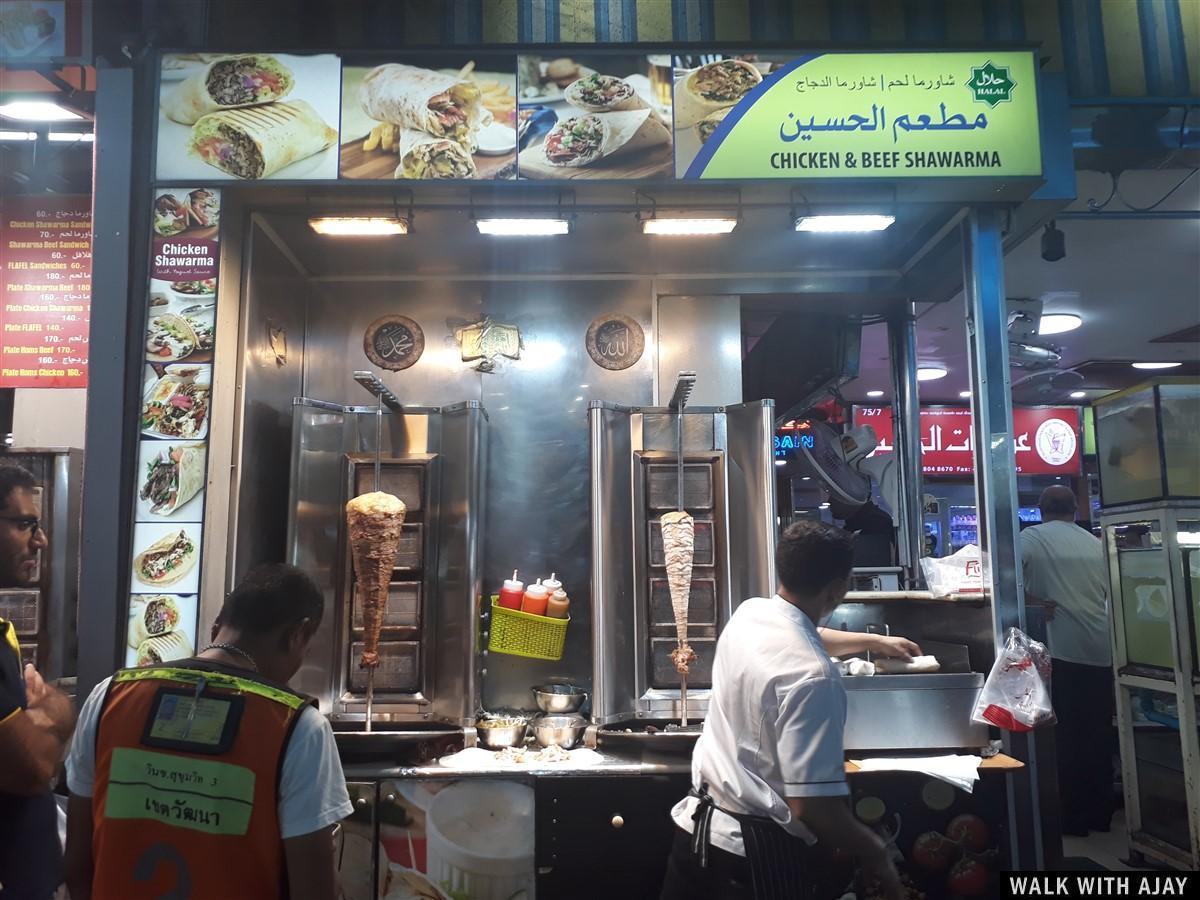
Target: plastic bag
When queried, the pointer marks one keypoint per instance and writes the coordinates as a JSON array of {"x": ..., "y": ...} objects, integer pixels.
[
  {"x": 958, "y": 573},
  {"x": 1016, "y": 695}
]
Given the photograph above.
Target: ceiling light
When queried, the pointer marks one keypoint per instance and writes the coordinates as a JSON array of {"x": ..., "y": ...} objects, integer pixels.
[
  {"x": 358, "y": 226},
  {"x": 1057, "y": 323},
  {"x": 1157, "y": 365},
  {"x": 930, "y": 373},
  {"x": 71, "y": 136},
  {"x": 874, "y": 393},
  {"x": 18, "y": 135},
  {"x": 695, "y": 226},
  {"x": 781, "y": 462},
  {"x": 823, "y": 506},
  {"x": 36, "y": 111},
  {"x": 964, "y": 394},
  {"x": 523, "y": 227},
  {"x": 843, "y": 224},
  {"x": 1078, "y": 395}
]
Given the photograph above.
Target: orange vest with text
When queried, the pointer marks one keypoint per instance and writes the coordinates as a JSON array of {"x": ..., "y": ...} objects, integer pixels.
[{"x": 174, "y": 823}]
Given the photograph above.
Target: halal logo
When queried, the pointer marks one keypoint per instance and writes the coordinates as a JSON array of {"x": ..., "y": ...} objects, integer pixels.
[{"x": 991, "y": 84}]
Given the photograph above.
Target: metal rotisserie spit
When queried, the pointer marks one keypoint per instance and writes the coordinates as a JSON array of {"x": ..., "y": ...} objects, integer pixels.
[
  {"x": 432, "y": 459},
  {"x": 728, "y": 490}
]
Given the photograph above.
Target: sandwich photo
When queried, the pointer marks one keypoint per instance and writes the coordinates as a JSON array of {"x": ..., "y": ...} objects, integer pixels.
[
  {"x": 258, "y": 141},
  {"x": 706, "y": 126},
  {"x": 245, "y": 116},
  {"x": 168, "y": 560},
  {"x": 228, "y": 83},
  {"x": 443, "y": 116},
  {"x": 170, "y": 215},
  {"x": 587, "y": 139},
  {"x": 712, "y": 86},
  {"x": 163, "y": 648},
  {"x": 422, "y": 99},
  {"x": 151, "y": 616},
  {"x": 169, "y": 338},
  {"x": 204, "y": 207},
  {"x": 603, "y": 93},
  {"x": 173, "y": 476}
]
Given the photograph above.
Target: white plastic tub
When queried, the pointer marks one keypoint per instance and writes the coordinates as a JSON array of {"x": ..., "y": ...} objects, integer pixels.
[{"x": 480, "y": 839}]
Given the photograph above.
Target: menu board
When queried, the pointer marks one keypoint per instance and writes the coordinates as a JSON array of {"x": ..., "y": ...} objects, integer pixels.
[
  {"x": 1046, "y": 438},
  {"x": 47, "y": 290},
  {"x": 598, "y": 115},
  {"x": 173, "y": 426}
]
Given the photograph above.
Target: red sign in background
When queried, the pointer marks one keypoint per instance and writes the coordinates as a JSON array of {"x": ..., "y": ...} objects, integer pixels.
[
  {"x": 46, "y": 301},
  {"x": 1046, "y": 438}
]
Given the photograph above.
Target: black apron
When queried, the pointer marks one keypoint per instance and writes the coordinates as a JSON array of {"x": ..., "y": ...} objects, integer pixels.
[{"x": 782, "y": 866}]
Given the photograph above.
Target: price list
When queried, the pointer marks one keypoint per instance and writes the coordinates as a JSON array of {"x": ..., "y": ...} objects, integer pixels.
[{"x": 45, "y": 307}]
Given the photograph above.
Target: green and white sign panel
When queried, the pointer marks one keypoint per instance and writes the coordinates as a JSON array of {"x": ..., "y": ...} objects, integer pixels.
[{"x": 866, "y": 115}]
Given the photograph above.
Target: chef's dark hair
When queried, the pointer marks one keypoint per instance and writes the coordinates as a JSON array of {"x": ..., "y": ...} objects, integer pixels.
[
  {"x": 12, "y": 477},
  {"x": 811, "y": 555},
  {"x": 271, "y": 595}
]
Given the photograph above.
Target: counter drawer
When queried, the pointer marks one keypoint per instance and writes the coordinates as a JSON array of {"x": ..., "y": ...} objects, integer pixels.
[{"x": 613, "y": 833}]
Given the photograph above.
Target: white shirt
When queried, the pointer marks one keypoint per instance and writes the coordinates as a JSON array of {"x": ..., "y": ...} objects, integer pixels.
[
  {"x": 1063, "y": 563},
  {"x": 312, "y": 787},
  {"x": 776, "y": 717}
]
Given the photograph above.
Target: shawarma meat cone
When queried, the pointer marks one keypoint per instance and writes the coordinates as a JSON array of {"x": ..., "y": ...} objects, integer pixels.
[
  {"x": 679, "y": 546},
  {"x": 374, "y": 521}
]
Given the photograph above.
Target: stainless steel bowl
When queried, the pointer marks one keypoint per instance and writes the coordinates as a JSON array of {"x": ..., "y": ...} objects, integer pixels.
[
  {"x": 554, "y": 699},
  {"x": 501, "y": 733},
  {"x": 561, "y": 731}
]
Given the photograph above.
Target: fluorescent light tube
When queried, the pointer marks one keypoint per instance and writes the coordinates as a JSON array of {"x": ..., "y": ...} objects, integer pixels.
[
  {"x": 683, "y": 227},
  {"x": 71, "y": 137},
  {"x": 18, "y": 135},
  {"x": 844, "y": 224},
  {"x": 36, "y": 111},
  {"x": 523, "y": 227},
  {"x": 1156, "y": 365},
  {"x": 358, "y": 226}
]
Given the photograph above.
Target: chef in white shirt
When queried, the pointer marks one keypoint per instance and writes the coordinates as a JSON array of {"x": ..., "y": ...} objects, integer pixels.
[
  {"x": 769, "y": 799},
  {"x": 1065, "y": 572}
]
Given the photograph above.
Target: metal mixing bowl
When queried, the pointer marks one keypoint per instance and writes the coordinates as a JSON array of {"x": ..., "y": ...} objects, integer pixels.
[
  {"x": 562, "y": 731},
  {"x": 554, "y": 699},
  {"x": 496, "y": 734}
]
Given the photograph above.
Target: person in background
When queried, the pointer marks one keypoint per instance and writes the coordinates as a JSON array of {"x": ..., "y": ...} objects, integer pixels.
[
  {"x": 769, "y": 799},
  {"x": 1065, "y": 572},
  {"x": 209, "y": 777},
  {"x": 35, "y": 719}
]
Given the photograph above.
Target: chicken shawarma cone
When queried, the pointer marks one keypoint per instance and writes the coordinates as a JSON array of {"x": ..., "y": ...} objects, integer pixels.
[
  {"x": 374, "y": 521},
  {"x": 679, "y": 546}
]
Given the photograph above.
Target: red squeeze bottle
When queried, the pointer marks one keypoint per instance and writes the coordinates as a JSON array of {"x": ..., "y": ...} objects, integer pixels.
[
  {"x": 511, "y": 593},
  {"x": 535, "y": 599}
]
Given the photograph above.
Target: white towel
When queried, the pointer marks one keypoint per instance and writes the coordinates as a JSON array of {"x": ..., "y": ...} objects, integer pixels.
[{"x": 959, "y": 770}]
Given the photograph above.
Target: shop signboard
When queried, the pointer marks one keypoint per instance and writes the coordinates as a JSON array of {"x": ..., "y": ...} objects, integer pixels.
[
  {"x": 1046, "y": 438},
  {"x": 46, "y": 277},
  {"x": 173, "y": 426},
  {"x": 41, "y": 32},
  {"x": 858, "y": 115},
  {"x": 458, "y": 115}
]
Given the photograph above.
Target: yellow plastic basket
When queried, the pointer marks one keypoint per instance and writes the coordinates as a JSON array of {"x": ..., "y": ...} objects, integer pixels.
[{"x": 524, "y": 634}]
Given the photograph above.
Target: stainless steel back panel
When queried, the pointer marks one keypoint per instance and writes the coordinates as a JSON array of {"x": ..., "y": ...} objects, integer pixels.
[{"x": 913, "y": 712}]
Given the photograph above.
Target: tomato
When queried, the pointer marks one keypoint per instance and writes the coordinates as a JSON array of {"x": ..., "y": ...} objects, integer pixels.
[
  {"x": 970, "y": 831},
  {"x": 932, "y": 851},
  {"x": 968, "y": 878}
]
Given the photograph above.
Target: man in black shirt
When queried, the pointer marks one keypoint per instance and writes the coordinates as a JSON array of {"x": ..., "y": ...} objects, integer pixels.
[{"x": 35, "y": 719}]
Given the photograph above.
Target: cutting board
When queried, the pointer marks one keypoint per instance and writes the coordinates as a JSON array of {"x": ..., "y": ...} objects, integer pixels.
[
  {"x": 653, "y": 162},
  {"x": 358, "y": 163}
]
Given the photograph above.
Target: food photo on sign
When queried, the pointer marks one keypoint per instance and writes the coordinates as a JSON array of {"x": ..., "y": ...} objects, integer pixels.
[
  {"x": 430, "y": 117},
  {"x": 170, "y": 483},
  {"x": 248, "y": 116},
  {"x": 176, "y": 401},
  {"x": 166, "y": 557},
  {"x": 161, "y": 628},
  {"x": 593, "y": 116},
  {"x": 863, "y": 115},
  {"x": 181, "y": 317}
]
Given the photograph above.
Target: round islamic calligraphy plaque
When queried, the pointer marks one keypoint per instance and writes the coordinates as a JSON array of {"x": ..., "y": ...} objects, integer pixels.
[
  {"x": 615, "y": 342},
  {"x": 394, "y": 342}
]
